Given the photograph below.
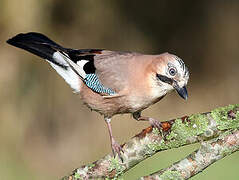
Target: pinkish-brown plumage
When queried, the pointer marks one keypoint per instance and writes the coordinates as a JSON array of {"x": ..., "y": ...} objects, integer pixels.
[
  {"x": 132, "y": 82},
  {"x": 111, "y": 82}
]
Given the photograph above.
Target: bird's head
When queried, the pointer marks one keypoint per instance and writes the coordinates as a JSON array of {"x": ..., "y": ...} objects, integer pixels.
[{"x": 171, "y": 73}]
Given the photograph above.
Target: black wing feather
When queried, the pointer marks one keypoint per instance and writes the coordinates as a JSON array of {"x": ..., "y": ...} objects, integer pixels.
[
  {"x": 44, "y": 47},
  {"x": 37, "y": 44}
]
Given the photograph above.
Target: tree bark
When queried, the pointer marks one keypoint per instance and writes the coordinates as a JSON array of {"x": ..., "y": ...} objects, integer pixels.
[
  {"x": 214, "y": 129},
  {"x": 209, "y": 152}
]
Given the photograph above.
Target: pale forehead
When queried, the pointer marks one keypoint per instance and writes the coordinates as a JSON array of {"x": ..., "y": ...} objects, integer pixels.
[
  {"x": 178, "y": 62},
  {"x": 173, "y": 60}
]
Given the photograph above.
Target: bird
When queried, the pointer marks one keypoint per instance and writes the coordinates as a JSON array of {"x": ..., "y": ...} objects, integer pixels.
[{"x": 111, "y": 82}]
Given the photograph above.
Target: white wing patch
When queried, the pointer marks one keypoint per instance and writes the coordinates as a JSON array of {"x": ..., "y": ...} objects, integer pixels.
[
  {"x": 82, "y": 63},
  {"x": 58, "y": 57},
  {"x": 69, "y": 75},
  {"x": 78, "y": 69}
]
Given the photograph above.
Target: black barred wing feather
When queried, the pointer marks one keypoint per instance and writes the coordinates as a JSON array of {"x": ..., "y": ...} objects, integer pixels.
[
  {"x": 110, "y": 69},
  {"x": 93, "y": 82},
  {"x": 98, "y": 69}
]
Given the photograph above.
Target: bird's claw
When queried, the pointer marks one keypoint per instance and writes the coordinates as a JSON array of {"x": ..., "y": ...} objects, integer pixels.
[
  {"x": 117, "y": 149},
  {"x": 155, "y": 123}
]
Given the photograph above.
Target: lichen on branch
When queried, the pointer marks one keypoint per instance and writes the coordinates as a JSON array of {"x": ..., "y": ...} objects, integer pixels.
[
  {"x": 209, "y": 152},
  {"x": 175, "y": 133}
]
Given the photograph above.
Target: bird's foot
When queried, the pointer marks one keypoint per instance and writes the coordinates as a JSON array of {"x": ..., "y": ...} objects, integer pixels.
[
  {"x": 117, "y": 149},
  {"x": 155, "y": 123}
]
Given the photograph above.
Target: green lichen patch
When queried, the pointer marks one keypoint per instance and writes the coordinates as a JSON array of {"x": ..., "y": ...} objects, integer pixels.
[
  {"x": 196, "y": 125},
  {"x": 156, "y": 131},
  {"x": 91, "y": 165},
  {"x": 183, "y": 131},
  {"x": 220, "y": 115},
  {"x": 116, "y": 166},
  {"x": 151, "y": 148},
  {"x": 77, "y": 176},
  {"x": 180, "y": 134},
  {"x": 171, "y": 175},
  {"x": 226, "y": 151}
]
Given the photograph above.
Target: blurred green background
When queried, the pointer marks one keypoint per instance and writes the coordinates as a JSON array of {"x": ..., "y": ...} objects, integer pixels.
[{"x": 45, "y": 131}]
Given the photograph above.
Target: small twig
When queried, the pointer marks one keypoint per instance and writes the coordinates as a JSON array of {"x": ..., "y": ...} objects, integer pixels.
[
  {"x": 176, "y": 133},
  {"x": 209, "y": 152}
]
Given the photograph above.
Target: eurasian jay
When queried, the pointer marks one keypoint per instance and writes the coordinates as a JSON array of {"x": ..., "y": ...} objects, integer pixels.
[{"x": 111, "y": 82}]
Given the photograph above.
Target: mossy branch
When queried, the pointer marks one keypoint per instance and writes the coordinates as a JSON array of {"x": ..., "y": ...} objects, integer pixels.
[
  {"x": 175, "y": 133},
  {"x": 209, "y": 152}
]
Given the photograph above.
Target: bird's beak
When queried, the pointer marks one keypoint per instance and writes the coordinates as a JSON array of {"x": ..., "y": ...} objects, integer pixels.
[{"x": 182, "y": 91}]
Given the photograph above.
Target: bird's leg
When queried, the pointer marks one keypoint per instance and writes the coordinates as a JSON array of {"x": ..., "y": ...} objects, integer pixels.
[
  {"x": 116, "y": 148},
  {"x": 154, "y": 122}
]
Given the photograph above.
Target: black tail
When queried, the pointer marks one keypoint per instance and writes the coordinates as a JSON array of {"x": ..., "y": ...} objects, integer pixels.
[{"x": 37, "y": 44}]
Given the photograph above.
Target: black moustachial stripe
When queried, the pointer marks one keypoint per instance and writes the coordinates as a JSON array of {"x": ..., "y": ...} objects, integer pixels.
[{"x": 165, "y": 79}]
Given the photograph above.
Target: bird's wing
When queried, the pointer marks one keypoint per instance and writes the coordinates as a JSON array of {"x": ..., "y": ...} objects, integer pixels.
[{"x": 104, "y": 72}]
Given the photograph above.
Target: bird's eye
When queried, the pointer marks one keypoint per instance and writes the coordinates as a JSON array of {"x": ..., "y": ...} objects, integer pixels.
[{"x": 172, "y": 71}]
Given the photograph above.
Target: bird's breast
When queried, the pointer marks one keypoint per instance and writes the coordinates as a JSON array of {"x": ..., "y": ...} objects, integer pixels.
[
  {"x": 129, "y": 102},
  {"x": 139, "y": 103}
]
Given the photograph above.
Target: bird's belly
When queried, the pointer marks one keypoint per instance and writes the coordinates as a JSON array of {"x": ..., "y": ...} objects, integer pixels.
[
  {"x": 116, "y": 105},
  {"x": 141, "y": 103},
  {"x": 105, "y": 106}
]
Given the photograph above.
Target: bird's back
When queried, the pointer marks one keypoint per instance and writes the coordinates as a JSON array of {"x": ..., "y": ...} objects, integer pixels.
[{"x": 109, "y": 82}]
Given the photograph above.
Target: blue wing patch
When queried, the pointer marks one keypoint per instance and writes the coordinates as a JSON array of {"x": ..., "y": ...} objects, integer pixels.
[{"x": 93, "y": 82}]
